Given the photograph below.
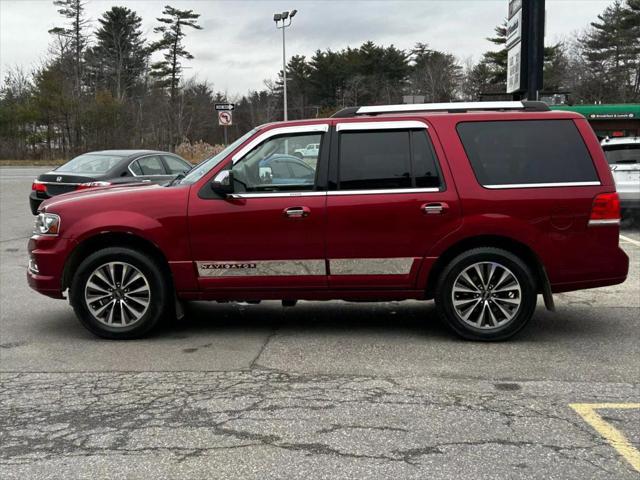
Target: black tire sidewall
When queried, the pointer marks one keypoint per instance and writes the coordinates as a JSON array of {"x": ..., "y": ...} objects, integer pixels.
[
  {"x": 523, "y": 274},
  {"x": 148, "y": 267}
]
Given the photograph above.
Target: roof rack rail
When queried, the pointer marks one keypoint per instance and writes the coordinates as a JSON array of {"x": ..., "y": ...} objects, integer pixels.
[{"x": 453, "y": 107}]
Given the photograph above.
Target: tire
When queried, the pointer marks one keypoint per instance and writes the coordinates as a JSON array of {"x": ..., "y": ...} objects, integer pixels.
[
  {"x": 125, "y": 313},
  {"x": 488, "y": 305}
]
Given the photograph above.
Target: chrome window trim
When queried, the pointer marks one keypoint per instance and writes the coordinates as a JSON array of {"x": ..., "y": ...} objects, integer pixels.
[
  {"x": 392, "y": 125},
  {"x": 145, "y": 156},
  {"x": 387, "y": 191},
  {"x": 278, "y": 194},
  {"x": 608, "y": 221},
  {"x": 335, "y": 192},
  {"x": 313, "y": 128},
  {"x": 542, "y": 185}
]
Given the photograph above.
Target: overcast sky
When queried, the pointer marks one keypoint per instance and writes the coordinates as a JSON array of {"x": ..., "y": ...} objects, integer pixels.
[{"x": 239, "y": 46}]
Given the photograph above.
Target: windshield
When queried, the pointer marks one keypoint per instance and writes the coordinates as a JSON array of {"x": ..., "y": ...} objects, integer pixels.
[
  {"x": 629, "y": 153},
  {"x": 206, "y": 165},
  {"x": 90, "y": 163}
]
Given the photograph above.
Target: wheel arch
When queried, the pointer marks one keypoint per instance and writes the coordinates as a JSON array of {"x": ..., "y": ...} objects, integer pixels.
[
  {"x": 531, "y": 259},
  {"x": 113, "y": 239}
]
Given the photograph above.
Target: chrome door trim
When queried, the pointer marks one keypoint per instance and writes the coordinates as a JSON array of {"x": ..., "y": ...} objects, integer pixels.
[
  {"x": 543, "y": 185},
  {"x": 55, "y": 183},
  {"x": 261, "y": 268},
  {"x": 371, "y": 266},
  {"x": 392, "y": 125},
  {"x": 313, "y": 128},
  {"x": 383, "y": 191}
]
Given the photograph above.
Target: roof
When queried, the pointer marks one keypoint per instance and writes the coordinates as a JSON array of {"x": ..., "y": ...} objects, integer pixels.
[
  {"x": 123, "y": 153},
  {"x": 620, "y": 141},
  {"x": 618, "y": 111}
]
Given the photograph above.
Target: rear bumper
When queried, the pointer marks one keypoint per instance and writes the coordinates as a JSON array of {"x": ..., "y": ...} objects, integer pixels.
[
  {"x": 629, "y": 195},
  {"x": 34, "y": 202},
  {"x": 46, "y": 264},
  {"x": 617, "y": 268},
  {"x": 630, "y": 203}
]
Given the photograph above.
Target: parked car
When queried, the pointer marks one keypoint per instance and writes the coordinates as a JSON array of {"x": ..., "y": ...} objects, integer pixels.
[
  {"x": 623, "y": 155},
  {"x": 481, "y": 207},
  {"x": 104, "y": 168},
  {"x": 310, "y": 150},
  {"x": 286, "y": 170}
]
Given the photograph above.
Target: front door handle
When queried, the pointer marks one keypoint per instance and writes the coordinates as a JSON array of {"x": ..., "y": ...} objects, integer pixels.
[
  {"x": 435, "y": 208},
  {"x": 297, "y": 212}
]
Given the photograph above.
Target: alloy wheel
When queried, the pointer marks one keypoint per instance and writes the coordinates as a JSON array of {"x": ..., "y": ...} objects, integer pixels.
[
  {"x": 486, "y": 295},
  {"x": 117, "y": 294}
]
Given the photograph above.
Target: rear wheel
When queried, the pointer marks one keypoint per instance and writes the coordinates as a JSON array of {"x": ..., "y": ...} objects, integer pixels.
[
  {"x": 486, "y": 294},
  {"x": 120, "y": 293}
]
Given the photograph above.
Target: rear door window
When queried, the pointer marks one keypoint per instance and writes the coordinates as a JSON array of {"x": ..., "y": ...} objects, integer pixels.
[
  {"x": 151, "y": 165},
  {"x": 506, "y": 153},
  {"x": 394, "y": 159},
  {"x": 175, "y": 165}
]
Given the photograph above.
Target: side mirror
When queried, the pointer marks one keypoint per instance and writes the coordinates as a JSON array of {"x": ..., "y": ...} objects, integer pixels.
[{"x": 222, "y": 184}]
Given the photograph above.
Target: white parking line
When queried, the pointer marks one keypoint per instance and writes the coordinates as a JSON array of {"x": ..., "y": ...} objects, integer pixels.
[{"x": 630, "y": 240}]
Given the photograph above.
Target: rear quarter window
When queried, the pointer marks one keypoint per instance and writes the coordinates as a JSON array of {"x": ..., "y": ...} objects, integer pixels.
[{"x": 520, "y": 152}]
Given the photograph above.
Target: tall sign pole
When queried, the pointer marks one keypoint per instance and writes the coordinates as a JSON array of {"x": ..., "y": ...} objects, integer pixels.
[
  {"x": 284, "y": 74},
  {"x": 525, "y": 46},
  {"x": 281, "y": 23}
]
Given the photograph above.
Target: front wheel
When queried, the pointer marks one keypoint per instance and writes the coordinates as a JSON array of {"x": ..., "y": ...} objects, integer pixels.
[
  {"x": 119, "y": 293},
  {"x": 486, "y": 294}
]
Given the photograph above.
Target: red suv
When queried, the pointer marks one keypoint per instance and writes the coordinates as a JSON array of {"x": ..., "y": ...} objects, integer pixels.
[{"x": 480, "y": 206}]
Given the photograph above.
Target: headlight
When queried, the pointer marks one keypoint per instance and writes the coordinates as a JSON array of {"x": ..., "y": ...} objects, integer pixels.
[{"x": 47, "y": 224}]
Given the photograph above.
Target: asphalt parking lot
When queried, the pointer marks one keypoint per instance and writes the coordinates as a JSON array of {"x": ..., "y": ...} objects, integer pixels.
[{"x": 322, "y": 390}]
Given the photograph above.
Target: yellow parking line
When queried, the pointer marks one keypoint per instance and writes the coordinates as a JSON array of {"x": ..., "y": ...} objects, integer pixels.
[
  {"x": 630, "y": 240},
  {"x": 612, "y": 435}
]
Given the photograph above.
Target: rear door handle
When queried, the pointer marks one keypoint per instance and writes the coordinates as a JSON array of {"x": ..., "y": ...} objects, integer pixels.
[
  {"x": 297, "y": 212},
  {"x": 435, "y": 208}
]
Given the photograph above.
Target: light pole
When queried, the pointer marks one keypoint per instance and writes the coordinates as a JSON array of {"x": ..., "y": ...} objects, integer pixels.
[{"x": 281, "y": 23}]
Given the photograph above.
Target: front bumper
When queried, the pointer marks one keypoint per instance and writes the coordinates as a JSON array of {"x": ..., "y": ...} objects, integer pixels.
[{"x": 47, "y": 255}]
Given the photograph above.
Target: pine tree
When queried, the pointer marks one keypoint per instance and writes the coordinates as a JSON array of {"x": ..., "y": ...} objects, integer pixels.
[
  {"x": 119, "y": 58},
  {"x": 612, "y": 52},
  {"x": 168, "y": 71}
]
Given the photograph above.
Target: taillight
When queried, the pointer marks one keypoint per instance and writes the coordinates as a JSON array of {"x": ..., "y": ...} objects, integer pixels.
[
  {"x": 84, "y": 186},
  {"x": 605, "y": 209},
  {"x": 38, "y": 186}
]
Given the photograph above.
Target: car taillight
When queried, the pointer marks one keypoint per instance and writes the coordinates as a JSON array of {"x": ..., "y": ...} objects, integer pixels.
[
  {"x": 605, "y": 209},
  {"x": 84, "y": 186},
  {"x": 38, "y": 186}
]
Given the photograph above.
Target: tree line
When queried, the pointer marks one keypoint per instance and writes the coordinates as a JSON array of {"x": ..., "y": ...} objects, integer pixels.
[{"x": 100, "y": 89}]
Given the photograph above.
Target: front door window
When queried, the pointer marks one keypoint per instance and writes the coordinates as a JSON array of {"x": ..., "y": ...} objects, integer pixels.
[{"x": 275, "y": 165}]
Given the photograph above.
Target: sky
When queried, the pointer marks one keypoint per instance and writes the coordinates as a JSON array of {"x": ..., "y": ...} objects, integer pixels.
[{"x": 239, "y": 45}]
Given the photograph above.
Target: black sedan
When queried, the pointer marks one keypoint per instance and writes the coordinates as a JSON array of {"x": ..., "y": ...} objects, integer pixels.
[{"x": 108, "y": 167}]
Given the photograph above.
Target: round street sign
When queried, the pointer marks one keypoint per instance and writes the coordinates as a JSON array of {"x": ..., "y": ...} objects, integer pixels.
[{"x": 224, "y": 118}]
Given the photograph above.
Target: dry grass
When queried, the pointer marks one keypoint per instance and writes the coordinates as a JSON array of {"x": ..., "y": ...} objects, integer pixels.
[
  {"x": 197, "y": 151},
  {"x": 30, "y": 163},
  {"x": 194, "y": 152}
]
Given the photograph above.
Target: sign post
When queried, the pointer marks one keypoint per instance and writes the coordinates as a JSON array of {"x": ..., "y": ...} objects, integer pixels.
[
  {"x": 525, "y": 47},
  {"x": 225, "y": 117}
]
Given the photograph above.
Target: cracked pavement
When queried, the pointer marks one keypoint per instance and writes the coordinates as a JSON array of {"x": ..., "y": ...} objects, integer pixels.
[{"x": 322, "y": 390}]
